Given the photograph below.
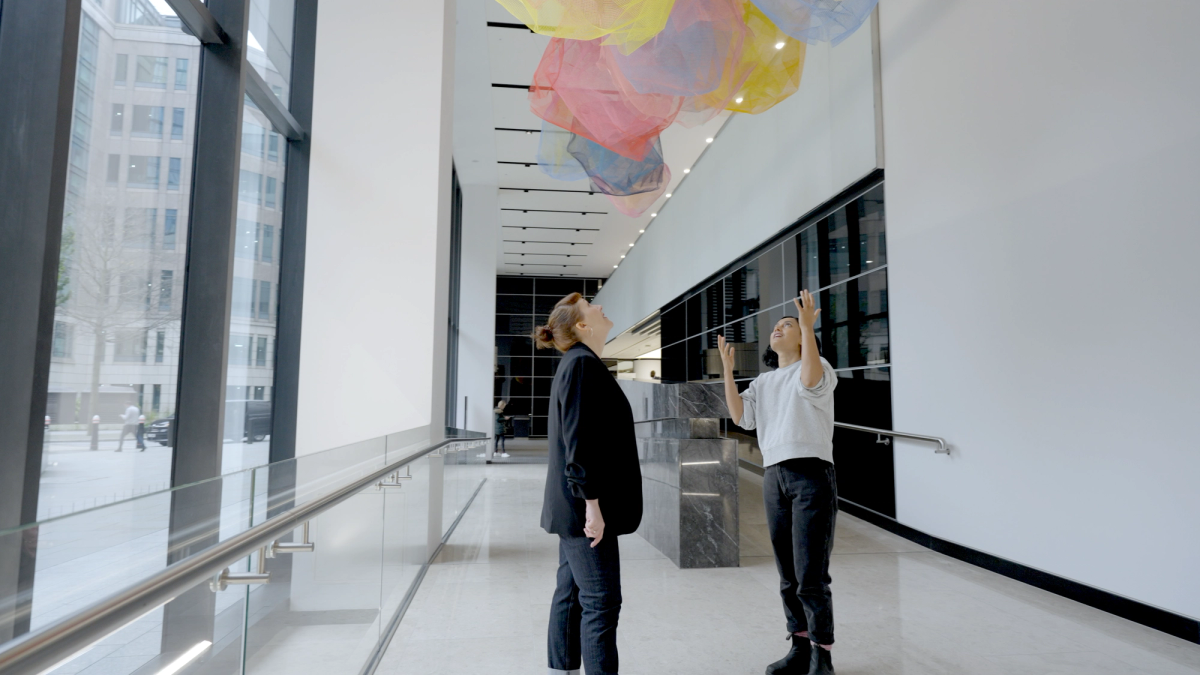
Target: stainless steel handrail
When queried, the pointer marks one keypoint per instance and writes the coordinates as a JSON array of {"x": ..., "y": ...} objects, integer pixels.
[
  {"x": 943, "y": 447},
  {"x": 46, "y": 647}
]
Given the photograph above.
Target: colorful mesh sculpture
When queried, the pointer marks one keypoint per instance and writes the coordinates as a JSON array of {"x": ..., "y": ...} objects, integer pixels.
[
  {"x": 619, "y": 72},
  {"x": 814, "y": 21},
  {"x": 632, "y": 186},
  {"x": 575, "y": 88},
  {"x": 624, "y": 24},
  {"x": 768, "y": 71}
]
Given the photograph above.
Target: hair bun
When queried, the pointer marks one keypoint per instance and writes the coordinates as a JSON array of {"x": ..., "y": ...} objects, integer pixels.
[{"x": 544, "y": 337}]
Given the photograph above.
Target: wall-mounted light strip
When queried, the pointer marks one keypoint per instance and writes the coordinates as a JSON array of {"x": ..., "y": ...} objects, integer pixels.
[
  {"x": 528, "y": 131},
  {"x": 502, "y": 24},
  {"x": 541, "y": 265},
  {"x": 501, "y": 85},
  {"x": 558, "y": 255}
]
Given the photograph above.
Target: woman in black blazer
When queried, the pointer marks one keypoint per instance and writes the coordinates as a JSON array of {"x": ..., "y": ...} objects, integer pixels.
[{"x": 593, "y": 489}]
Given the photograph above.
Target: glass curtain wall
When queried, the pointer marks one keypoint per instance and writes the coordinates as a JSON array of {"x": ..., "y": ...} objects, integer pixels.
[
  {"x": 522, "y": 373},
  {"x": 842, "y": 259},
  {"x": 114, "y": 362}
]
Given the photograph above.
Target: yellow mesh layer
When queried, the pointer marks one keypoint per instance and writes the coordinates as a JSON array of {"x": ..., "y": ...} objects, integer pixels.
[
  {"x": 773, "y": 71},
  {"x": 624, "y": 24}
]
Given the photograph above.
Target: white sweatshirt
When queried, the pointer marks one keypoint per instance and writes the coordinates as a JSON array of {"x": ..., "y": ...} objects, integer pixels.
[{"x": 792, "y": 420}]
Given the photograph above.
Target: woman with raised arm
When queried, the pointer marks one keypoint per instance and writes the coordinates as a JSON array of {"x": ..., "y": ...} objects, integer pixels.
[
  {"x": 792, "y": 409},
  {"x": 593, "y": 489}
]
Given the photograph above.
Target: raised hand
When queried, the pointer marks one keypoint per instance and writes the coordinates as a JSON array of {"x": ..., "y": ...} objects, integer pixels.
[
  {"x": 726, "y": 351},
  {"x": 806, "y": 308}
]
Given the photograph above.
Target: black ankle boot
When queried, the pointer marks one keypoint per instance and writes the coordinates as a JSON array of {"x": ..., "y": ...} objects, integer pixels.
[
  {"x": 797, "y": 660},
  {"x": 821, "y": 663}
]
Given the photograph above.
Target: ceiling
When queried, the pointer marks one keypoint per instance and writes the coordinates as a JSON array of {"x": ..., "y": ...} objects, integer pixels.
[{"x": 548, "y": 227}]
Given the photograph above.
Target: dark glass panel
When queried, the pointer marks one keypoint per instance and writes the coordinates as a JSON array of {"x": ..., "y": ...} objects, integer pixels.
[
  {"x": 545, "y": 365},
  {"x": 513, "y": 345},
  {"x": 514, "y": 365},
  {"x": 517, "y": 386},
  {"x": 865, "y": 468},
  {"x": 695, "y": 358},
  {"x": 808, "y": 256},
  {"x": 539, "y": 427},
  {"x": 749, "y": 338},
  {"x": 791, "y": 266},
  {"x": 514, "y": 285},
  {"x": 518, "y": 406},
  {"x": 674, "y": 362},
  {"x": 838, "y": 247},
  {"x": 873, "y": 341},
  {"x": 742, "y": 292},
  {"x": 674, "y": 325},
  {"x": 541, "y": 406},
  {"x": 514, "y": 324},
  {"x": 541, "y": 385},
  {"x": 592, "y": 286},
  {"x": 872, "y": 229},
  {"x": 544, "y": 304},
  {"x": 835, "y": 319},
  {"x": 771, "y": 277},
  {"x": 558, "y": 288},
  {"x": 514, "y": 304}
]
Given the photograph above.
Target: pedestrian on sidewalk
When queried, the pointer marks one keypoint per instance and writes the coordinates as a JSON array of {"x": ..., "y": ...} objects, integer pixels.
[
  {"x": 593, "y": 489},
  {"x": 129, "y": 425},
  {"x": 141, "y": 433},
  {"x": 792, "y": 408}
]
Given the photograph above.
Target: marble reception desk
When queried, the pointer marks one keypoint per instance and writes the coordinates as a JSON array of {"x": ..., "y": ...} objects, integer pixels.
[{"x": 689, "y": 473}]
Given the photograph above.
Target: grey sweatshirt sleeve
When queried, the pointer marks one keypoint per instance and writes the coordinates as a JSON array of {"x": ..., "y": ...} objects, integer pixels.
[
  {"x": 824, "y": 388},
  {"x": 749, "y": 404}
]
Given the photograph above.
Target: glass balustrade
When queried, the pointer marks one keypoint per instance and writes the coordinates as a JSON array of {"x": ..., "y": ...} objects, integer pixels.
[{"x": 325, "y": 594}]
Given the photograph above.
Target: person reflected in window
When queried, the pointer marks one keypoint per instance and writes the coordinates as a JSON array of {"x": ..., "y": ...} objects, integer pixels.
[
  {"x": 129, "y": 426},
  {"x": 792, "y": 408},
  {"x": 501, "y": 420},
  {"x": 593, "y": 489}
]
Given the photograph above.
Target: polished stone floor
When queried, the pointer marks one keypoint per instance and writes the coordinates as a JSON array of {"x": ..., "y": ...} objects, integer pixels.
[{"x": 900, "y": 608}]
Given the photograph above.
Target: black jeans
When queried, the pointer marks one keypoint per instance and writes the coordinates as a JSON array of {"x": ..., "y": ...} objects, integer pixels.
[
  {"x": 801, "y": 500},
  {"x": 586, "y": 605}
]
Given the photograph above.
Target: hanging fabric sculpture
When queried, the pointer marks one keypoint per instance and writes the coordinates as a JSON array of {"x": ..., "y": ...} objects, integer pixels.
[
  {"x": 814, "y": 21},
  {"x": 631, "y": 185},
  {"x": 575, "y": 88},
  {"x": 624, "y": 24},
  {"x": 619, "y": 72}
]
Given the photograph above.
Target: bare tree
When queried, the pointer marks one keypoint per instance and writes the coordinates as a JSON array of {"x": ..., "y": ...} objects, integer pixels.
[{"x": 110, "y": 285}]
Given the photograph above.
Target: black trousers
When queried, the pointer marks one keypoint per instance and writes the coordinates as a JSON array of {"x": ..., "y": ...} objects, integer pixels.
[
  {"x": 801, "y": 500},
  {"x": 585, "y": 608}
]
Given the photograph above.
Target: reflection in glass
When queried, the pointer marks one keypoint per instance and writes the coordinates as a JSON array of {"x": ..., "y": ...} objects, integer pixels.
[
  {"x": 270, "y": 43},
  {"x": 872, "y": 236},
  {"x": 251, "y": 371},
  {"x": 808, "y": 254},
  {"x": 114, "y": 365},
  {"x": 742, "y": 292},
  {"x": 771, "y": 279},
  {"x": 705, "y": 310}
]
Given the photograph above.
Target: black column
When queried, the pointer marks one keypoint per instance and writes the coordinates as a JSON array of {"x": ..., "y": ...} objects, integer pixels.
[
  {"x": 204, "y": 347},
  {"x": 39, "y": 44}
]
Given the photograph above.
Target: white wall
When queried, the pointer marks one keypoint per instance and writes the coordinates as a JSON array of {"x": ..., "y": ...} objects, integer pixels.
[
  {"x": 379, "y": 190},
  {"x": 761, "y": 174},
  {"x": 1042, "y": 235},
  {"x": 477, "y": 324}
]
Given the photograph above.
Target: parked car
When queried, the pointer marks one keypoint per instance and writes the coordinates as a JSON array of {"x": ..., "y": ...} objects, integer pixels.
[{"x": 252, "y": 417}]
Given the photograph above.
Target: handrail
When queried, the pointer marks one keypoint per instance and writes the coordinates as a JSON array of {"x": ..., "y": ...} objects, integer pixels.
[
  {"x": 46, "y": 647},
  {"x": 943, "y": 447}
]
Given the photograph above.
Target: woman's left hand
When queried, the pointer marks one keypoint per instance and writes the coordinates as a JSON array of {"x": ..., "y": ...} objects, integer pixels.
[
  {"x": 593, "y": 524},
  {"x": 806, "y": 307}
]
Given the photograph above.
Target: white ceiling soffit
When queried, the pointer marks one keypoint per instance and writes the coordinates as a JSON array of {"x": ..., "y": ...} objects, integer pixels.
[
  {"x": 551, "y": 227},
  {"x": 644, "y": 337}
]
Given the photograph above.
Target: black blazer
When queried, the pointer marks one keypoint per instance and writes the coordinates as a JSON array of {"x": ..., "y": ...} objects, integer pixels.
[{"x": 593, "y": 454}]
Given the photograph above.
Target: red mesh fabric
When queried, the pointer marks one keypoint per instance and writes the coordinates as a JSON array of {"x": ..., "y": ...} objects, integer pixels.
[{"x": 576, "y": 87}]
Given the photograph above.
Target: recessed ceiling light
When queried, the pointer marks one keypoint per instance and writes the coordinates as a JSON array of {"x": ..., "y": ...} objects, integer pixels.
[
  {"x": 687, "y": 170},
  {"x": 779, "y": 45},
  {"x": 737, "y": 100},
  {"x": 709, "y": 140},
  {"x": 621, "y": 257},
  {"x": 641, "y": 232},
  {"x": 668, "y": 195},
  {"x": 653, "y": 215},
  {"x": 614, "y": 267},
  {"x": 631, "y": 244}
]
